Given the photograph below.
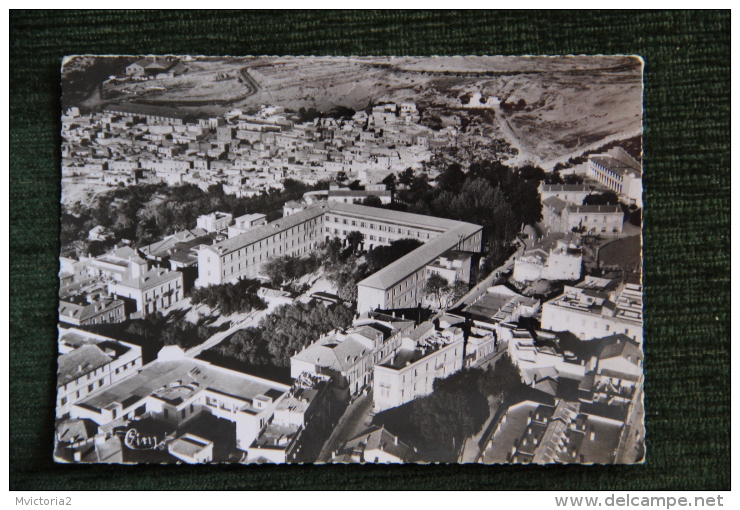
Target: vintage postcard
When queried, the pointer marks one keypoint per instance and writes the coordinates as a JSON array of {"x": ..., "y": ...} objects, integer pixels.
[{"x": 351, "y": 260}]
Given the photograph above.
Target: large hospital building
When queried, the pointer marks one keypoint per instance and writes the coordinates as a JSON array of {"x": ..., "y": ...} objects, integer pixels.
[{"x": 395, "y": 286}]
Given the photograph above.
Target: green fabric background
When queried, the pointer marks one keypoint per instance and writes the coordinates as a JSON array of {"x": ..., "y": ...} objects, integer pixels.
[{"x": 687, "y": 225}]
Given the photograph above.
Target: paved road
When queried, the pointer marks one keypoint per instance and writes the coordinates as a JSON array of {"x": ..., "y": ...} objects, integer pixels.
[
  {"x": 634, "y": 432},
  {"x": 355, "y": 420},
  {"x": 471, "y": 449}
]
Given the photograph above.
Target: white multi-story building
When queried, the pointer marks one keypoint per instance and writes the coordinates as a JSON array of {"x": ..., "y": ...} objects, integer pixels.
[
  {"x": 88, "y": 363},
  {"x": 299, "y": 425},
  {"x": 452, "y": 265},
  {"x": 214, "y": 222},
  {"x": 555, "y": 257},
  {"x": 96, "y": 310},
  {"x": 573, "y": 193},
  {"x": 175, "y": 389},
  {"x": 620, "y": 172},
  {"x": 425, "y": 355},
  {"x": 349, "y": 356},
  {"x": 153, "y": 291},
  {"x": 395, "y": 286},
  {"x": 597, "y": 308},
  {"x": 562, "y": 216}
]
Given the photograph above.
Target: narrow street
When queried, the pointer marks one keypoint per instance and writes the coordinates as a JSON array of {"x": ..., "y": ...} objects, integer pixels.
[
  {"x": 355, "y": 420},
  {"x": 471, "y": 449}
]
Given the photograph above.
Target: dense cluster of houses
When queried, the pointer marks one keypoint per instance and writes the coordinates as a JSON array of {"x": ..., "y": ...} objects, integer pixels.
[{"x": 129, "y": 143}]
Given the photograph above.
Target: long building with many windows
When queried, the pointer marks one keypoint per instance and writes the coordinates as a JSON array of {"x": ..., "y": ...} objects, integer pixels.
[{"x": 395, "y": 286}]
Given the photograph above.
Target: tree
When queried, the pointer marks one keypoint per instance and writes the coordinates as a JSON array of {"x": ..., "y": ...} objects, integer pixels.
[
  {"x": 406, "y": 177},
  {"x": 372, "y": 201},
  {"x": 230, "y": 298},
  {"x": 436, "y": 287},
  {"x": 341, "y": 176},
  {"x": 532, "y": 173},
  {"x": 459, "y": 289},
  {"x": 573, "y": 179},
  {"x": 355, "y": 238},
  {"x": 554, "y": 177},
  {"x": 344, "y": 278},
  {"x": 451, "y": 179},
  {"x": 390, "y": 182},
  {"x": 605, "y": 198},
  {"x": 330, "y": 251},
  {"x": 277, "y": 269},
  {"x": 290, "y": 328},
  {"x": 501, "y": 379},
  {"x": 454, "y": 411},
  {"x": 246, "y": 345}
]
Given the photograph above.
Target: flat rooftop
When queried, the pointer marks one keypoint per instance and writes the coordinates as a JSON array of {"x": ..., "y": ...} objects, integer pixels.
[
  {"x": 185, "y": 373},
  {"x": 616, "y": 166}
]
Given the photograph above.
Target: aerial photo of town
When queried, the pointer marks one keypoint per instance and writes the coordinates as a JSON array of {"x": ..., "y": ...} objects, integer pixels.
[{"x": 351, "y": 260}]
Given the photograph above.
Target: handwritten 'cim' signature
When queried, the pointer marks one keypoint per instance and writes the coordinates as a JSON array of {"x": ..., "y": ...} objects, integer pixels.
[{"x": 136, "y": 441}]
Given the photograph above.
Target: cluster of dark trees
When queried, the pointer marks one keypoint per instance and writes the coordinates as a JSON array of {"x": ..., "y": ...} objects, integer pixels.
[
  {"x": 458, "y": 407},
  {"x": 443, "y": 292},
  {"x": 499, "y": 198},
  {"x": 554, "y": 177},
  {"x": 311, "y": 114},
  {"x": 230, "y": 298},
  {"x": 288, "y": 268},
  {"x": 287, "y": 329},
  {"x": 343, "y": 271},
  {"x": 148, "y": 212},
  {"x": 633, "y": 146},
  {"x": 155, "y": 331}
]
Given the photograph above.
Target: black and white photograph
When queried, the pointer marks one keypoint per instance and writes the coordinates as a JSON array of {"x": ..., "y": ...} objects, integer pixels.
[{"x": 269, "y": 260}]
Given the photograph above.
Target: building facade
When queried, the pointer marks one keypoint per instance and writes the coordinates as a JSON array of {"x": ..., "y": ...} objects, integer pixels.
[
  {"x": 561, "y": 216},
  {"x": 89, "y": 362},
  {"x": 243, "y": 255},
  {"x": 175, "y": 389},
  {"x": 597, "y": 308},
  {"x": 425, "y": 355},
  {"x": 155, "y": 290},
  {"x": 620, "y": 172},
  {"x": 101, "y": 311},
  {"x": 573, "y": 193}
]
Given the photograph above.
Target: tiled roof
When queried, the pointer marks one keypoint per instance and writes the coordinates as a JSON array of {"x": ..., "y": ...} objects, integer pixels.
[
  {"x": 606, "y": 209},
  {"x": 87, "y": 310},
  {"x": 554, "y": 188},
  {"x": 616, "y": 166},
  {"x": 261, "y": 232},
  {"x": 420, "y": 257},
  {"x": 80, "y": 362},
  {"x": 335, "y": 353},
  {"x": 358, "y": 193},
  {"x": 555, "y": 203},
  {"x": 376, "y": 438},
  {"x": 151, "y": 279},
  {"x": 197, "y": 374},
  {"x": 411, "y": 219}
]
